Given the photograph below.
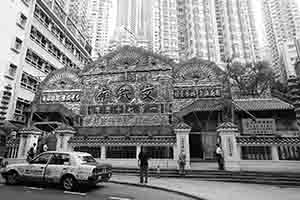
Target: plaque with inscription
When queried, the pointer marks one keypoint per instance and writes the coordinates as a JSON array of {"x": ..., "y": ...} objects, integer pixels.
[{"x": 56, "y": 97}]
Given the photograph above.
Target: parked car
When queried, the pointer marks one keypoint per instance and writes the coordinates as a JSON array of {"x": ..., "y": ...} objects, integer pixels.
[{"x": 70, "y": 169}]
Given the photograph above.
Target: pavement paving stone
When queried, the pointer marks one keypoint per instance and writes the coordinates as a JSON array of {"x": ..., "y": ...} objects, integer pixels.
[{"x": 211, "y": 190}]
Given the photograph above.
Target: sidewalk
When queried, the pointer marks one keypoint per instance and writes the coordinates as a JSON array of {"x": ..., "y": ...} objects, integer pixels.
[{"x": 211, "y": 190}]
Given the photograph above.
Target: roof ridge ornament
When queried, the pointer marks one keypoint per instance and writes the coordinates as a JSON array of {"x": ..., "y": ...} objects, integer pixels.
[{"x": 182, "y": 125}]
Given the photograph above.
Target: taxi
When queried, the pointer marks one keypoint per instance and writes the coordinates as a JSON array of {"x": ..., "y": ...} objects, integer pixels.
[{"x": 69, "y": 169}]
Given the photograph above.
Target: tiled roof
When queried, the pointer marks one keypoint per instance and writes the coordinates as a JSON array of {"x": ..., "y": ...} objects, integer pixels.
[
  {"x": 268, "y": 140},
  {"x": 253, "y": 104},
  {"x": 202, "y": 105},
  {"x": 182, "y": 125},
  {"x": 227, "y": 125},
  {"x": 124, "y": 130},
  {"x": 29, "y": 130},
  {"x": 96, "y": 140}
]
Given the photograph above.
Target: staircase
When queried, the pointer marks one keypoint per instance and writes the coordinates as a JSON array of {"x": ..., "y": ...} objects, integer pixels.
[{"x": 271, "y": 178}]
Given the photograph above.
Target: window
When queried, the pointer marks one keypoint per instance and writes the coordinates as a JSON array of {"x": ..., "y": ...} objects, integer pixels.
[
  {"x": 256, "y": 153},
  {"x": 60, "y": 159},
  {"x": 21, "y": 106},
  {"x": 17, "y": 45},
  {"x": 159, "y": 152},
  {"x": 29, "y": 82},
  {"x": 121, "y": 152},
  {"x": 94, "y": 151},
  {"x": 42, "y": 159},
  {"x": 86, "y": 159},
  {"x": 12, "y": 70},
  {"x": 22, "y": 21}
]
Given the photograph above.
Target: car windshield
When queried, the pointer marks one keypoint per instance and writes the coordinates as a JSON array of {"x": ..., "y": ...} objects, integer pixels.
[{"x": 86, "y": 159}]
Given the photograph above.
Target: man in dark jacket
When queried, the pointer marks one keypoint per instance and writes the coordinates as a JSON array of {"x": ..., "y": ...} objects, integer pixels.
[
  {"x": 143, "y": 164},
  {"x": 31, "y": 152}
]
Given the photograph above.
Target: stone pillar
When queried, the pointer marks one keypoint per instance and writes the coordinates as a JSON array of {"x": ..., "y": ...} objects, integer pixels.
[
  {"x": 138, "y": 150},
  {"x": 103, "y": 152},
  {"x": 232, "y": 156},
  {"x": 63, "y": 134},
  {"x": 182, "y": 131},
  {"x": 275, "y": 155},
  {"x": 28, "y": 136}
]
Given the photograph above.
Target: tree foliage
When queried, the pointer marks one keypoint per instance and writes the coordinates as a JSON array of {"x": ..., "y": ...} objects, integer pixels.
[{"x": 251, "y": 78}]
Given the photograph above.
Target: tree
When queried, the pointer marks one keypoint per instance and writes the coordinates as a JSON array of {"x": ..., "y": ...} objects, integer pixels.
[{"x": 251, "y": 78}]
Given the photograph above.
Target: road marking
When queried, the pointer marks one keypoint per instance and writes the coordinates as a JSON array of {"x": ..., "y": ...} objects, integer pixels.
[
  {"x": 34, "y": 188},
  {"x": 118, "y": 198},
  {"x": 76, "y": 193}
]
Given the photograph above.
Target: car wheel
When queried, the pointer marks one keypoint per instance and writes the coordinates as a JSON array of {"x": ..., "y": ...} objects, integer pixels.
[
  {"x": 69, "y": 183},
  {"x": 12, "y": 178}
]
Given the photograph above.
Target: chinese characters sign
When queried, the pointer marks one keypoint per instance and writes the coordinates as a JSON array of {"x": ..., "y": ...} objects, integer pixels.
[
  {"x": 258, "y": 127},
  {"x": 124, "y": 120},
  {"x": 56, "y": 97},
  {"x": 129, "y": 109},
  {"x": 196, "y": 92}
]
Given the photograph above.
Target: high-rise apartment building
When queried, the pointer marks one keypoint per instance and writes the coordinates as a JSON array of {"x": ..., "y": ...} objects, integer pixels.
[
  {"x": 77, "y": 10},
  {"x": 165, "y": 28},
  {"x": 282, "y": 22},
  {"x": 39, "y": 37},
  {"x": 100, "y": 26},
  {"x": 216, "y": 30},
  {"x": 133, "y": 24},
  {"x": 197, "y": 29}
]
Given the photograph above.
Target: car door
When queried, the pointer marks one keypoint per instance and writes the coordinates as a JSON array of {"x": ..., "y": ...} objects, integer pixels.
[
  {"x": 58, "y": 165},
  {"x": 36, "y": 168}
]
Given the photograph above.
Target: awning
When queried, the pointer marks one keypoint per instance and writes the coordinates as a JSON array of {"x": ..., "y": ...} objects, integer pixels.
[
  {"x": 53, "y": 108},
  {"x": 257, "y": 104},
  {"x": 126, "y": 130}
]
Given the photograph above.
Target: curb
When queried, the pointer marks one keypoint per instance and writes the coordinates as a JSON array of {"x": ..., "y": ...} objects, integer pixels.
[{"x": 158, "y": 188}]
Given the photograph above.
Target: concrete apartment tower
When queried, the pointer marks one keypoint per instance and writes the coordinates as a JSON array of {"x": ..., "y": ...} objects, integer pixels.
[
  {"x": 282, "y": 22},
  {"x": 215, "y": 30}
]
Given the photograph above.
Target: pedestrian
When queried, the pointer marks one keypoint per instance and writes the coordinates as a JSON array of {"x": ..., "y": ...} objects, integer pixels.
[
  {"x": 220, "y": 158},
  {"x": 181, "y": 162},
  {"x": 143, "y": 164},
  {"x": 45, "y": 148},
  {"x": 31, "y": 153},
  {"x": 158, "y": 171}
]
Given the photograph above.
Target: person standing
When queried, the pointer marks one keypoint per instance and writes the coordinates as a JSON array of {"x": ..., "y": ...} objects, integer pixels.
[
  {"x": 143, "y": 164},
  {"x": 219, "y": 155},
  {"x": 181, "y": 162},
  {"x": 45, "y": 148},
  {"x": 31, "y": 152}
]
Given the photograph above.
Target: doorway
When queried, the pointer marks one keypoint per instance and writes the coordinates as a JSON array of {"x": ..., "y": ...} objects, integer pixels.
[
  {"x": 196, "y": 148},
  {"x": 202, "y": 146}
]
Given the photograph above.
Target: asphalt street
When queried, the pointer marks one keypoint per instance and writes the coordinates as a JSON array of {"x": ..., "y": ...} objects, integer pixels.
[{"x": 107, "y": 191}]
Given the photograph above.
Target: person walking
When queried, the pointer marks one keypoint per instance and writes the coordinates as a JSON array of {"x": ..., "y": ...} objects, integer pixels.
[
  {"x": 143, "y": 164},
  {"x": 45, "y": 148},
  {"x": 31, "y": 152},
  {"x": 181, "y": 162},
  {"x": 219, "y": 155}
]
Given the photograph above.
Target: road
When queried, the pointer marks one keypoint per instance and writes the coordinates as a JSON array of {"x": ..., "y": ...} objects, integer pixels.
[{"x": 107, "y": 191}]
